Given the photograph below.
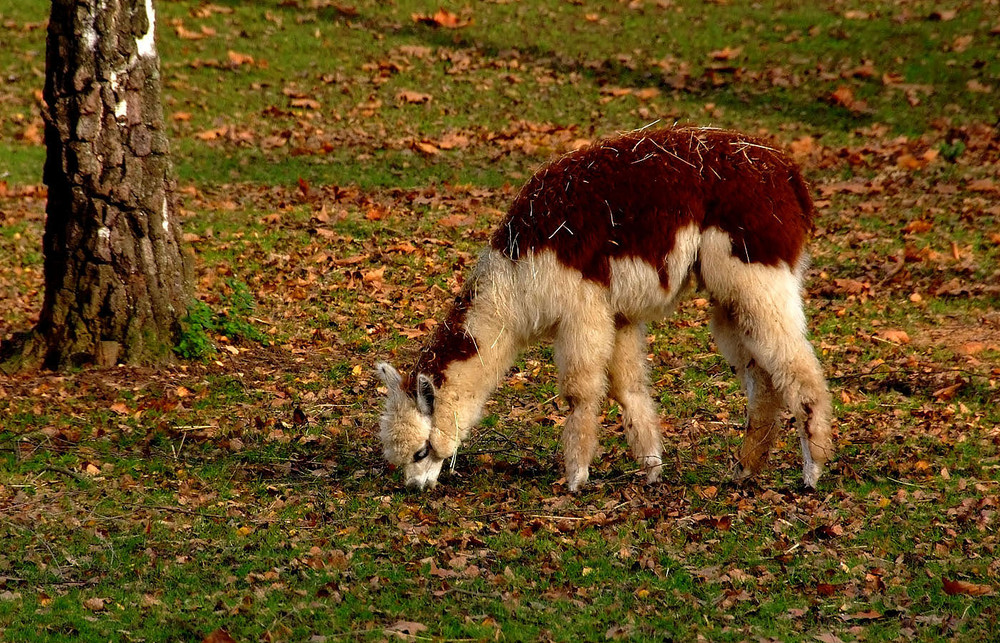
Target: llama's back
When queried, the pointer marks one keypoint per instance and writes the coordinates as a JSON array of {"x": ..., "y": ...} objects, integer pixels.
[{"x": 636, "y": 196}]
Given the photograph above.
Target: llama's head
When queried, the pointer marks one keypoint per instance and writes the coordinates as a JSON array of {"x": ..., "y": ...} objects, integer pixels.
[{"x": 406, "y": 426}]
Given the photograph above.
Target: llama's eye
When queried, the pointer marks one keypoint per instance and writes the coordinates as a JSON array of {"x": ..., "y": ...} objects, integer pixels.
[{"x": 422, "y": 453}]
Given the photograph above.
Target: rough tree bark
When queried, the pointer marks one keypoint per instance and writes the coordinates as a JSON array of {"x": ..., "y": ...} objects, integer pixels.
[{"x": 116, "y": 280}]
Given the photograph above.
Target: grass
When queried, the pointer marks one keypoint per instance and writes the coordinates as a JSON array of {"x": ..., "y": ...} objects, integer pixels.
[{"x": 246, "y": 492}]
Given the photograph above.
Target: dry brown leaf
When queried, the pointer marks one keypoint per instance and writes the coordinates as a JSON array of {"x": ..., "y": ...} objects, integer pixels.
[
  {"x": 441, "y": 18},
  {"x": 238, "y": 59},
  {"x": 212, "y": 134},
  {"x": 405, "y": 629},
  {"x": 455, "y": 221},
  {"x": 94, "y": 604},
  {"x": 184, "y": 34},
  {"x": 120, "y": 408},
  {"x": 219, "y": 636},
  {"x": 982, "y": 185},
  {"x": 412, "y": 97},
  {"x": 918, "y": 226},
  {"x": 952, "y": 587},
  {"x": 647, "y": 93},
  {"x": 726, "y": 53},
  {"x": 305, "y": 103},
  {"x": 895, "y": 336},
  {"x": 803, "y": 146},
  {"x": 943, "y": 15},
  {"x": 426, "y": 148}
]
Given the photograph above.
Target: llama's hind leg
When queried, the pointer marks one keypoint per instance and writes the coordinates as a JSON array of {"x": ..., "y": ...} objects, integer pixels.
[
  {"x": 630, "y": 386},
  {"x": 583, "y": 348},
  {"x": 764, "y": 403},
  {"x": 778, "y": 344},
  {"x": 766, "y": 314}
]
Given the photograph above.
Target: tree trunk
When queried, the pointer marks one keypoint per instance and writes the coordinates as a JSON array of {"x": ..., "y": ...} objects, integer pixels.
[{"x": 116, "y": 281}]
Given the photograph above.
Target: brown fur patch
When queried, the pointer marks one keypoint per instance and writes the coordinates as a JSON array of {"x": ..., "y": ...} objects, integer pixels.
[
  {"x": 628, "y": 197},
  {"x": 449, "y": 343}
]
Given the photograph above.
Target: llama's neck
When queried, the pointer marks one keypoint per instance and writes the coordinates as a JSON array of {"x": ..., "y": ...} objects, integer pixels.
[{"x": 471, "y": 351}]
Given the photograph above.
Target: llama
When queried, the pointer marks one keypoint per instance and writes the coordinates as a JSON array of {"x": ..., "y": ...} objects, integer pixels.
[{"x": 594, "y": 246}]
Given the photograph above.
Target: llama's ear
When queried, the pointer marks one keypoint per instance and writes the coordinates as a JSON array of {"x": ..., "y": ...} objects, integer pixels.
[
  {"x": 425, "y": 394},
  {"x": 389, "y": 376}
]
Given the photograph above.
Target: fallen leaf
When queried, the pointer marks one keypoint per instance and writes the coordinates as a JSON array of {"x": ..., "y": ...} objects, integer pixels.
[
  {"x": 918, "y": 226},
  {"x": 952, "y": 587},
  {"x": 647, "y": 93},
  {"x": 455, "y": 221},
  {"x": 412, "y": 97},
  {"x": 826, "y": 589},
  {"x": 120, "y": 408},
  {"x": 305, "y": 103},
  {"x": 726, "y": 53},
  {"x": 405, "y": 629},
  {"x": 943, "y": 15},
  {"x": 895, "y": 336},
  {"x": 211, "y": 134},
  {"x": 982, "y": 185},
  {"x": 219, "y": 636},
  {"x": 441, "y": 18},
  {"x": 184, "y": 34},
  {"x": 94, "y": 604},
  {"x": 238, "y": 59},
  {"x": 828, "y": 637},
  {"x": 802, "y": 147},
  {"x": 426, "y": 148}
]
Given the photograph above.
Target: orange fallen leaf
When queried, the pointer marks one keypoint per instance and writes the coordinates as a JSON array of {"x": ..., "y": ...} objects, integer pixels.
[
  {"x": 918, "y": 226},
  {"x": 238, "y": 59},
  {"x": 441, "y": 18},
  {"x": 455, "y": 221},
  {"x": 120, "y": 408},
  {"x": 952, "y": 587},
  {"x": 212, "y": 134},
  {"x": 726, "y": 53},
  {"x": 412, "y": 97},
  {"x": 185, "y": 34},
  {"x": 802, "y": 146},
  {"x": 305, "y": 103},
  {"x": 219, "y": 636},
  {"x": 426, "y": 148},
  {"x": 895, "y": 336}
]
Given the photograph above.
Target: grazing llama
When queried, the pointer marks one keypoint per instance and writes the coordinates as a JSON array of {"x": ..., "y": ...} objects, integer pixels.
[{"x": 595, "y": 245}]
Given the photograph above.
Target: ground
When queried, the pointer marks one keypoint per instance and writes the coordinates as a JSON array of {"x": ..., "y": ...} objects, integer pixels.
[{"x": 339, "y": 167}]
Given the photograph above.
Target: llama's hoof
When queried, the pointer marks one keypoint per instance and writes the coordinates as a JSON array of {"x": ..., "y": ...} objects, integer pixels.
[
  {"x": 576, "y": 480},
  {"x": 811, "y": 471},
  {"x": 654, "y": 467}
]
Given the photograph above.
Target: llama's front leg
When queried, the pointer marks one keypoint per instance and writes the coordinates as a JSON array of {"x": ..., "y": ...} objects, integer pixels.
[
  {"x": 582, "y": 354},
  {"x": 764, "y": 403},
  {"x": 629, "y": 385},
  {"x": 764, "y": 406}
]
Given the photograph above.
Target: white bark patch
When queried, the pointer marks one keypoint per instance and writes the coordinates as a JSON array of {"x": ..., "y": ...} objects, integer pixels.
[
  {"x": 166, "y": 221},
  {"x": 104, "y": 233},
  {"x": 121, "y": 109},
  {"x": 145, "y": 45}
]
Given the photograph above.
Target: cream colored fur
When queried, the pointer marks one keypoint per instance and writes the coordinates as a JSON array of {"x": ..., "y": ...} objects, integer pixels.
[{"x": 758, "y": 323}]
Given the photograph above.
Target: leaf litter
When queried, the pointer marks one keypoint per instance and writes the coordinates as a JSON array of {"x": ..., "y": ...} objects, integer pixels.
[{"x": 902, "y": 294}]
